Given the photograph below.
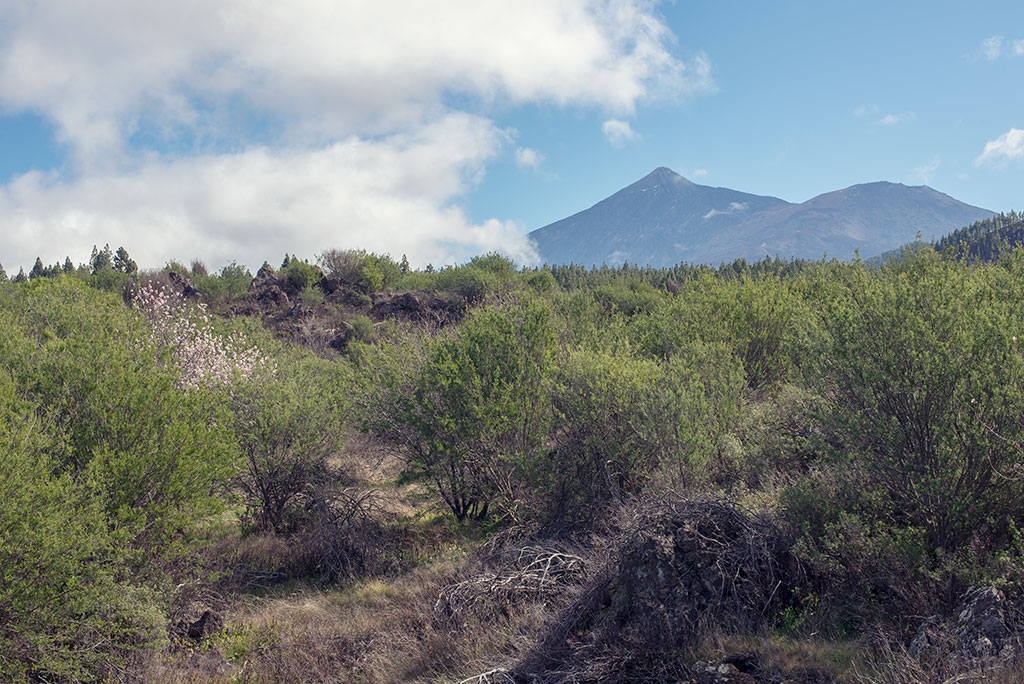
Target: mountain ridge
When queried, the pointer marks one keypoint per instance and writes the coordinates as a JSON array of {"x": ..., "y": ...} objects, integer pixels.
[{"x": 663, "y": 219}]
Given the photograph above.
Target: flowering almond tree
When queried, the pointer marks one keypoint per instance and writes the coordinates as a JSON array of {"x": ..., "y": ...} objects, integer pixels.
[{"x": 203, "y": 356}]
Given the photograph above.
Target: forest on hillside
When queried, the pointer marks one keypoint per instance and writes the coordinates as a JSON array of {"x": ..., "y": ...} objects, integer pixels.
[{"x": 349, "y": 470}]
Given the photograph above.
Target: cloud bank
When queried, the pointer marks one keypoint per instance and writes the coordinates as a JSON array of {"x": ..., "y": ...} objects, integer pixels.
[{"x": 244, "y": 128}]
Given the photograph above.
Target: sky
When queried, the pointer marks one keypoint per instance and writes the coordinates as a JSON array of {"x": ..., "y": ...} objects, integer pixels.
[{"x": 440, "y": 129}]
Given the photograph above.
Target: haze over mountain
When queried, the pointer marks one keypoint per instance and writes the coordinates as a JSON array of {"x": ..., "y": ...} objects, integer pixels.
[{"x": 664, "y": 219}]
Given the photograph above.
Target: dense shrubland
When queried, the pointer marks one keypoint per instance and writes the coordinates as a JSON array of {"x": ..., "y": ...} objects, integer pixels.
[{"x": 353, "y": 434}]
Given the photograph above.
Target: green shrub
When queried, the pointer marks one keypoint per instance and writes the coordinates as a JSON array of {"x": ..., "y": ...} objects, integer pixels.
[
  {"x": 469, "y": 409},
  {"x": 473, "y": 284},
  {"x": 358, "y": 268},
  {"x": 302, "y": 274},
  {"x": 66, "y": 613},
  {"x": 152, "y": 450},
  {"x": 541, "y": 281},
  {"x": 287, "y": 428}
]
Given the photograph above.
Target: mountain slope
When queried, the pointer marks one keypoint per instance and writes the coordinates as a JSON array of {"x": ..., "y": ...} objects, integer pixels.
[{"x": 663, "y": 219}]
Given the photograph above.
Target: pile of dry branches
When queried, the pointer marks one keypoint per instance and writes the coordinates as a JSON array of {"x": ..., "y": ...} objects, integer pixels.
[
  {"x": 525, "y": 574},
  {"x": 683, "y": 570}
]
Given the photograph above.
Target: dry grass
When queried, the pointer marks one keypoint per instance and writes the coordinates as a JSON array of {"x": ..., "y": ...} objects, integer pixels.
[
  {"x": 890, "y": 663},
  {"x": 373, "y": 632},
  {"x": 841, "y": 659}
]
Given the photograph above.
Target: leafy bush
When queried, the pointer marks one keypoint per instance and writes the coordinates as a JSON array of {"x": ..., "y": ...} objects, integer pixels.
[
  {"x": 69, "y": 609},
  {"x": 358, "y": 268},
  {"x": 301, "y": 274},
  {"x": 922, "y": 382},
  {"x": 152, "y": 452},
  {"x": 287, "y": 429},
  {"x": 473, "y": 284},
  {"x": 471, "y": 409}
]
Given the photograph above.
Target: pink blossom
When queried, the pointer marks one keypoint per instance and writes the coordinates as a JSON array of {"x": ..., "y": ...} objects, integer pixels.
[{"x": 203, "y": 357}]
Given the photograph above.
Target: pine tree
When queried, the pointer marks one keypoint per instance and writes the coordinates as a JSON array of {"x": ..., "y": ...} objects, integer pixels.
[
  {"x": 38, "y": 270},
  {"x": 101, "y": 260},
  {"x": 123, "y": 262}
]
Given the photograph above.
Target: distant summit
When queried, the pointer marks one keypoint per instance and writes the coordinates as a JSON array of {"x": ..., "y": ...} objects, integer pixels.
[{"x": 663, "y": 219}]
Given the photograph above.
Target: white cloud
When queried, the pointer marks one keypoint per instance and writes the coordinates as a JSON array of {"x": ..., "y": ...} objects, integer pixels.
[
  {"x": 996, "y": 47},
  {"x": 733, "y": 208},
  {"x": 385, "y": 195},
  {"x": 894, "y": 119},
  {"x": 528, "y": 158},
  {"x": 205, "y": 79},
  {"x": 1007, "y": 147},
  {"x": 992, "y": 47},
  {"x": 618, "y": 132},
  {"x": 924, "y": 172},
  {"x": 700, "y": 173},
  {"x": 865, "y": 110}
]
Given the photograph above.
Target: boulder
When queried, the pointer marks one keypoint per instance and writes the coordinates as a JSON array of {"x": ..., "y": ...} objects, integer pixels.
[
  {"x": 183, "y": 285},
  {"x": 701, "y": 564},
  {"x": 195, "y": 629},
  {"x": 983, "y": 626},
  {"x": 427, "y": 307},
  {"x": 266, "y": 289},
  {"x": 985, "y": 629}
]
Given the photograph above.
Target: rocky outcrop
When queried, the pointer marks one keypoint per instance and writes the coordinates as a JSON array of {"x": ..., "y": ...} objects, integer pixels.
[
  {"x": 423, "y": 307},
  {"x": 183, "y": 285},
  {"x": 195, "y": 626},
  {"x": 986, "y": 629},
  {"x": 266, "y": 290}
]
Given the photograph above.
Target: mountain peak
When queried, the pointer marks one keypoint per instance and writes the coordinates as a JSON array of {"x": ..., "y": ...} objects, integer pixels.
[{"x": 663, "y": 174}]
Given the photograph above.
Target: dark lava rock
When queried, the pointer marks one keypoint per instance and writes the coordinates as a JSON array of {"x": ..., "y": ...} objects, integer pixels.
[
  {"x": 267, "y": 291},
  {"x": 183, "y": 285},
  {"x": 424, "y": 307}
]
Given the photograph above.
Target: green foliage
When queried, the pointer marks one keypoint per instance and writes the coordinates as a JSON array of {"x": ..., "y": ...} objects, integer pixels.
[
  {"x": 920, "y": 377},
  {"x": 473, "y": 284},
  {"x": 926, "y": 376},
  {"x": 151, "y": 451},
  {"x": 287, "y": 428},
  {"x": 628, "y": 298},
  {"x": 123, "y": 262},
  {"x": 301, "y": 274},
  {"x": 472, "y": 409},
  {"x": 620, "y": 421},
  {"x": 363, "y": 329},
  {"x": 541, "y": 281},
  {"x": 101, "y": 259},
  {"x": 231, "y": 281},
  {"x": 366, "y": 270},
  {"x": 68, "y": 611}
]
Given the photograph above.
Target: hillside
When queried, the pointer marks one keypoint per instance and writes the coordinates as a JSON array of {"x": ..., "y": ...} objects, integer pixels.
[{"x": 664, "y": 219}]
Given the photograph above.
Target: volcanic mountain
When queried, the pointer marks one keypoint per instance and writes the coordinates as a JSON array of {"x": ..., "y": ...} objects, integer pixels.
[{"x": 663, "y": 219}]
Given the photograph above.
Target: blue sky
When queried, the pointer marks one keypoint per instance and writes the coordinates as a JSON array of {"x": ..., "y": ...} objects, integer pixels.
[{"x": 244, "y": 129}]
